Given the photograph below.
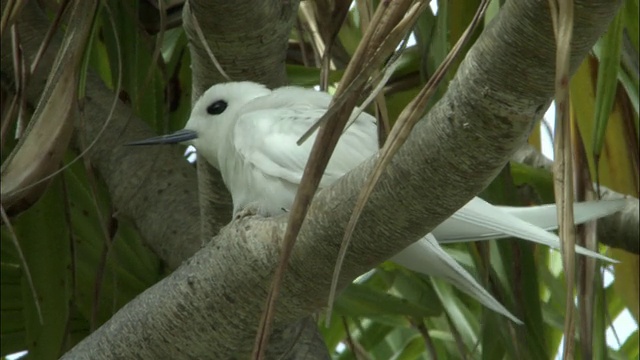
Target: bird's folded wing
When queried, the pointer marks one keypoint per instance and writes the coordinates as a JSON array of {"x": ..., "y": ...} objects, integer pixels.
[
  {"x": 427, "y": 257},
  {"x": 479, "y": 220},
  {"x": 266, "y": 133}
]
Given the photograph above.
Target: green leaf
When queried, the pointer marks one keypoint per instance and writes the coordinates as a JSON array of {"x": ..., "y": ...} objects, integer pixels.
[
  {"x": 115, "y": 266},
  {"x": 413, "y": 349},
  {"x": 309, "y": 76},
  {"x": 630, "y": 14},
  {"x": 44, "y": 237},
  {"x": 413, "y": 287},
  {"x": 362, "y": 300},
  {"x": 466, "y": 324},
  {"x": 630, "y": 346},
  {"x": 608, "y": 49}
]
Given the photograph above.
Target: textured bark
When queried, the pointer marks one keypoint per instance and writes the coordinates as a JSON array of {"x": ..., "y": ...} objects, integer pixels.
[
  {"x": 620, "y": 230},
  {"x": 164, "y": 206},
  {"x": 255, "y": 53},
  {"x": 204, "y": 310}
]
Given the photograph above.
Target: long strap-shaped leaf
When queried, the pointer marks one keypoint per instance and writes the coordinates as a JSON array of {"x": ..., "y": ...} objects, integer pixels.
[
  {"x": 562, "y": 16},
  {"x": 40, "y": 150}
]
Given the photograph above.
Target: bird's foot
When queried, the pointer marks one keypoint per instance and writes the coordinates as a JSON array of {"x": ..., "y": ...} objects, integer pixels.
[{"x": 248, "y": 210}]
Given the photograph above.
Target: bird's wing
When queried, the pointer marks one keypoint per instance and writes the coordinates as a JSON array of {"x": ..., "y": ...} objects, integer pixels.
[
  {"x": 479, "y": 220},
  {"x": 427, "y": 257},
  {"x": 266, "y": 133}
]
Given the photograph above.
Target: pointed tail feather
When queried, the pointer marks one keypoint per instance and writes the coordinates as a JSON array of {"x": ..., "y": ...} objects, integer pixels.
[
  {"x": 427, "y": 257},
  {"x": 545, "y": 216},
  {"x": 479, "y": 220}
]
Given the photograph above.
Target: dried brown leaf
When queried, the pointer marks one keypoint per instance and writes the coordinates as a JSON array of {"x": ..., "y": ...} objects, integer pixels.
[
  {"x": 562, "y": 16},
  {"x": 40, "y": 151},
  {"x": 368, "y": 56},
  {"x": 399, "y": 133}
]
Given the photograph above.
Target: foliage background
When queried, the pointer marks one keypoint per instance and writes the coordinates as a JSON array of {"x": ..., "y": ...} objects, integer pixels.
[{"x": 69, "y": 261}]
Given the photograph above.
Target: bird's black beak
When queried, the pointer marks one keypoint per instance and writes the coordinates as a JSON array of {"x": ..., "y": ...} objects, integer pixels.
[{"x": 176, "y": 137}]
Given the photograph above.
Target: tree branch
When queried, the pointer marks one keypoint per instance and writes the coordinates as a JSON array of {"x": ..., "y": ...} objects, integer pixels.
[
  {"x": 487, "y": 113},
  {"x": 164, "y": 206},
  {"x": 256, "y": 53}
]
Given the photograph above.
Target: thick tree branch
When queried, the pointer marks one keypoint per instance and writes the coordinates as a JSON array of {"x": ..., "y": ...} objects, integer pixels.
[
  {"x": 256, "y": 53},
  {"x": 620, "y": 230},
  {"x": 500, "y": 90}
]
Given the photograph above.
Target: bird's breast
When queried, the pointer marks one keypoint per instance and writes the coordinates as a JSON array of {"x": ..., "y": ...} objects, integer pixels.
[{"x": 249, "y": 186}]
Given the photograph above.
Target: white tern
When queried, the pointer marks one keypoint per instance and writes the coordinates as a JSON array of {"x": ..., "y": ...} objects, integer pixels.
[{"x": 249, "y": 133}]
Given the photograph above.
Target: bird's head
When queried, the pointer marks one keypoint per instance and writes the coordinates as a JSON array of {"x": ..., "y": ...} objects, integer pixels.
[{"x": 211, "y": 116}]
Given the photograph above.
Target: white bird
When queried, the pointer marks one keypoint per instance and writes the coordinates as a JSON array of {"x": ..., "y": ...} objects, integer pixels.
[{"x": 249, "y": 133}]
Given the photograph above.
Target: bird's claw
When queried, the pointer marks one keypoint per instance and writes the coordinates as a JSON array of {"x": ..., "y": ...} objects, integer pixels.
[{"x": 248, "y": 210}]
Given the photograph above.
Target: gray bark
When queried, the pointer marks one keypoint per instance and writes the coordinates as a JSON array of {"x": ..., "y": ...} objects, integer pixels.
[{"x": 255, "y": 53}]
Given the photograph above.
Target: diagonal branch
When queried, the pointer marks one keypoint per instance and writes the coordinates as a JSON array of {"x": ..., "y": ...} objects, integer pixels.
[
  {"x": 164, "y": 206},
  {"x": 256, "y": 52},
  {"x": 502, "y": 87}
]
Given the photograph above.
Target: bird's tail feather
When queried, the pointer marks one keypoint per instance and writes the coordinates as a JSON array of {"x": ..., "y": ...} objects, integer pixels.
[
  {"x": 479, "y": 220},
  {"x": 427, "y": 257},
  {"x": 545, "y": 216}
]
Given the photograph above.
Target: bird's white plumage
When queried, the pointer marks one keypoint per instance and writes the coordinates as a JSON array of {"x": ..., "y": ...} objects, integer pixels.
[
  {"x": 426, "y": 256},
  {"x": 543, "y": 217},
  {"x": 253, "y": 144},
  {"x": 272, "y": 147}
]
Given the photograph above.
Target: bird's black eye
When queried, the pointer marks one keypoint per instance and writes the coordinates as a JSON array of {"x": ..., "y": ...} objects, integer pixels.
[{"x": 217, "y": 107}]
